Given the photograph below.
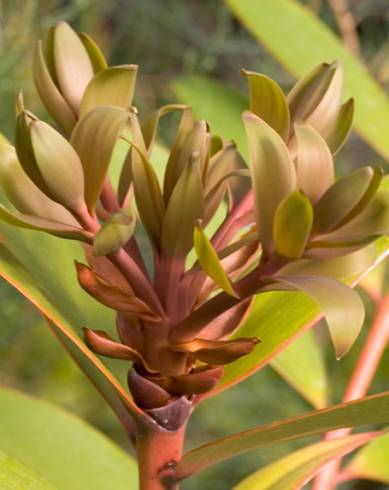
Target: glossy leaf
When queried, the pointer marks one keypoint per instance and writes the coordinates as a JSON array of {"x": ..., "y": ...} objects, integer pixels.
[
  {"x": 298, "y": 40},
  {"x": 17, "y": 476},
  {"x": 341, "y": 306},
  {"x": 14, "y": 272},
  {"x": 113, "y": 86},
  {"x": 369, "y": 410},
  {"x": 292, "y": 225},
  {"x": 302, "y": 366},
  {"x": 268, "y": 102},
  {"x": 314, "y": 164},
  {"x": 295, "y": 470},
  {"x": 278, "y": 318},
  {"x": 346, "y": 198},
  {"x": 44, "y": 437},
  {"x": 55, "y": 156},
  {"x": 73, "y": 67},
  {"x": 210, "y": 262},
  {"x": 273, "y": 173},
  {"x": 114, "y": 233},
  {"x": 52, "y": 98},
  {"x": 94, "y": 139},
  {"x": 371, "y": 462}
]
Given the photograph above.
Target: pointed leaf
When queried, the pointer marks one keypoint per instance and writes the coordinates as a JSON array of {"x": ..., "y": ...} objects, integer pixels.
[
  {"x": 73, "y": 67},
  {"x": 298, "y": 40},
  {"x": 342, "y": 307},
  {"x": 371, "y": 462},
  {"x": 186, "y": 206},
  {"x": 58, "y": 164},
  {"x": 314, "y": 164},
  {"x": 292, "y": 225},
  {"x": 52, "y": 98},
  {"x": 341, "y": 127},
  {"x": 210, "y": 262},
  {"x": 273, "y": 173},
  {"x": 346, "y": 199},
  {"x": 95, "y": 55},
  {"x": 369, "y": 410},
  {"x": 297, "y": 469},
  {"x": 113, "y": 86},
  {"x": 302, "y": 366},
  {"x": 114, "y": 233},
  {"x": 42, "y": 437},
  {"x": 268, "y": 102},
  {"x": 94, "y": 139}
]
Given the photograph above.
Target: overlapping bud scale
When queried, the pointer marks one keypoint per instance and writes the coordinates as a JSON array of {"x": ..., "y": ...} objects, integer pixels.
[{"x": 176, "y": 317}]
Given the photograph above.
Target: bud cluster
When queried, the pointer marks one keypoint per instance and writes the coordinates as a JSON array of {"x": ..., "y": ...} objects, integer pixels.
[{"x": 246, "y": 229}]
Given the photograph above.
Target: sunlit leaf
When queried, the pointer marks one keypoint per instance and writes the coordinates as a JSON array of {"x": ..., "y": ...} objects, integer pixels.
[
  {"x": 369, "y": 410},
  {"x": 61, "y": 448},
  {"x": 95, "y": 55},
  {"x": 298, "y": 468}
]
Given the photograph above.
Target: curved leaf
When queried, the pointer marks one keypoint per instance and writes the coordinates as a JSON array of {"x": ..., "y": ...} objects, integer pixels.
[
  {"x": 273, "y": 173},
  {"x": 298, "y": 39},
  {"x": 114, "y": 233},
  {"x": 341, "y": 127},
  {"x": 63, "y": 449},
  {"x": 369, "y": 410},
  {"x": 268, "y": 102},
  {"x": 95, "y": 55},
  {"x": 113, "y": 86},
  {"x": 298, "y": 468},
  {"x": 94, "y": 139}
]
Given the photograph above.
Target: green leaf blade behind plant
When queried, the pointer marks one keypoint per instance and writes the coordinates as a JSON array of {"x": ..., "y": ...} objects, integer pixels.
[
  {"x": 62, "y": 448},
  {"x": 370, "y": 410},
  {"x": 300, "y": 467},
  {"x": 299, "y": 40}
]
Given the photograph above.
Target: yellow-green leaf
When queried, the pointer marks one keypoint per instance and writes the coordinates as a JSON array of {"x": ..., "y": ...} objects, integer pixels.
[
  {"x": 95, "y": 55},
  {"x": 268, "y": 102},
  {"x": 210, "y": 262},
  {"x": 292, "y": 225},
  {"x": 113, "y": 86},
  {"x": 114, "y": 233}
]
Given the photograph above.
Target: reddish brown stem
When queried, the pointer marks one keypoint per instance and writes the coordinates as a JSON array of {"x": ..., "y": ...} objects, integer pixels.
[
  {"x": 359, "y": 383},
  {"x": 158, "y": 452}
]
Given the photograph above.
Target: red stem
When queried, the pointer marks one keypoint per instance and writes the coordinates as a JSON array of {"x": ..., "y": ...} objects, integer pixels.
[
  {"x": 159, "y": 452},
  {"x": 359, "y": 383}
]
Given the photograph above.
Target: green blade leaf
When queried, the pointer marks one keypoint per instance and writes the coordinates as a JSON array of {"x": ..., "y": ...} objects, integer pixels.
[
  {"x": 302, "y": 366},
  {"x": 371, "y": 462},
  {"x": 63, "y": 449},
  {"x": 298, "y": 40},
  {"x": 273, "y": 173},
  {"x": 315, "y": 167},
  {"x": 95, "y": 55},
  {"x": 298, "y": 468},
  {"x": 210, "y": 262},
  {"x": 113, "y": 86},
  {"x": 369, "y": 410},
  {"x": 94, "y": 139},
  {"x": 342, "y": 307},
  {"x": 268, "y": 102},
  {"x": 292, "y": 225},
  {"x": 341, "y": 127},
  {"x": 121, "y": 402},
  {"x": 15, "y": 475}
]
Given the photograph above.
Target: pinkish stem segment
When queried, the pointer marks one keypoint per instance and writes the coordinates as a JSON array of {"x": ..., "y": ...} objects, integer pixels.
[{"x": 359, "y": 383}]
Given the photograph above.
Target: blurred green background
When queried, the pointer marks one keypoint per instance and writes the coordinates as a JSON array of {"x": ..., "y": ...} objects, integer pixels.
[{"x": 169, "y": 39}]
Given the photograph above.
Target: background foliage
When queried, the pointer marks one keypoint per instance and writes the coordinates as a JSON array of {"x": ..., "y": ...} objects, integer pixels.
[{"x": 171, "y": 41}]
